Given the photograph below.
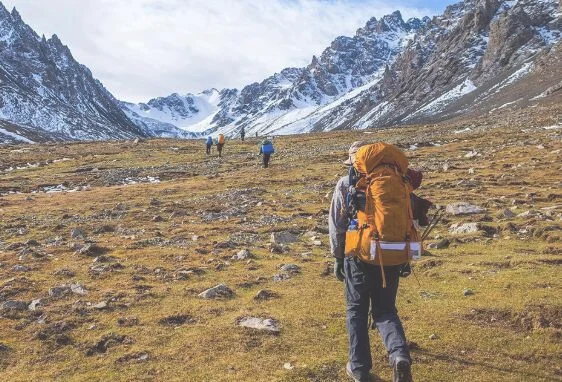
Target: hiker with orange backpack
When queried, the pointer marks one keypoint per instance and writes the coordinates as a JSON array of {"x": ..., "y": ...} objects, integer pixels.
[
  {"x": 372, "y": 236},
  {"x": 220, "y": 144}
]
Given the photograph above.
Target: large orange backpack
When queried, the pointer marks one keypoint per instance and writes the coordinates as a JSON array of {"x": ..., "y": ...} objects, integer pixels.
[
  {"x": 221, "y": 139},
  {"x": 385, "y": 233}
]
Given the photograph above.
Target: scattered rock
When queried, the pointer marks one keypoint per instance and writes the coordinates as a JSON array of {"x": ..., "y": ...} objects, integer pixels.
[
  {"x": 20, "y": 268},
  {"x": 103, "y": 305},
  {"x": 463, "y": 208},
  {"x": 442, "y": 244},
  {"x": 527, "y": 214},
  {"x": 434, "y": 337},
  {"x": 464, "y": 228},
  {"x": 12, "y": 305},
  {"x": 35, "y": 304},
  {"x": 219, "y": 291},
  {"x": 64, "y": 290},
  {"x": 77, "y": 233},
  {"x": 134, "y": 357},
  {"x": 277, "y": 248},
  {"x": 108, "y": 341},
  {"x": 268, "y": 324},
  {"x": 307, "y": 256},
  {"x": 284, "y": 237},
  {"x": 468, "y": 292},
  {"x": 157, "y": 219},
  {"x": 242, "y": 255},
  {"x": 290, "y": 268},
  {"x": 265, "y": 294},
  {"x": 78, "y": 289},
  {"x": 128, "y": 321},
  {"x": 506, "y": 214},
  {"x": 281, "y": 277},
  {"x": 64, "y": 272},
  {"x": 177, "y": 320},
  {"x": 91, "y": 250}
]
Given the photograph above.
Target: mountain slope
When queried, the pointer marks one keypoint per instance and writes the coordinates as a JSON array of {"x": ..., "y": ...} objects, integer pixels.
[
  {"x": 464, "y": 62},
  {"x": 43, "y": 87}
]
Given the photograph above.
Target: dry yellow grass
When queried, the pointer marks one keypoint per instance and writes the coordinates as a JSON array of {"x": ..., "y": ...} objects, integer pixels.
[{"x": 509, "y": 330}]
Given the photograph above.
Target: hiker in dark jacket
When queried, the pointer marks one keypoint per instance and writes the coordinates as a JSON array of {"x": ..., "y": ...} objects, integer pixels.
[
  {"x": 363, "y": 290},
  {"x": 266, "y": 149},
  {"x": 242, "y": 133},
  {"x": 209, "y": 143}
]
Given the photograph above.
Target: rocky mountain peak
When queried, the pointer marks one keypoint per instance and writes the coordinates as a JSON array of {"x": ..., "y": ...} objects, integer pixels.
[
  {"x": 16, "y": 15},
  {"x": 392, "y": 22}
]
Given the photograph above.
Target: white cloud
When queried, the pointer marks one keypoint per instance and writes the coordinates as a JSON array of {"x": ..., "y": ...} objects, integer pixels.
[{"x": 145, "y": 48}]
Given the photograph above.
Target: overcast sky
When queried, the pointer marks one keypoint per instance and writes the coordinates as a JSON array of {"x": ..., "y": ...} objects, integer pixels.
[{"x": 141, "y": 49}]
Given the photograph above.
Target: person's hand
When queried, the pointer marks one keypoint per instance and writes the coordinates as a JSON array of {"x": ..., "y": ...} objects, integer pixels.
[{"x": 338, "y": 269}]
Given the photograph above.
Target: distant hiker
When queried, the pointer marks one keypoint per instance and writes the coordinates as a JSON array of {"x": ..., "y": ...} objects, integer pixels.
[
  {"x": 242, "y": 133},
  {"x": 256, "y": 134},
  {"x": 371, "y": 239},
  {"x": 266, "y": 149},
  {"x": 220, "y": 144},
  {"x": 209, "y": 144}
]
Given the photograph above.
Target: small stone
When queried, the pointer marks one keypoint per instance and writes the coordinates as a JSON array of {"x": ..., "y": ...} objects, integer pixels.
[
  {"x": 307, "y": 256},
  {"x": 20, "y": 268},
  {"x": 101, "y": 305},
  {"x": 290, "y": 268},
  {"x": 288, "y": 366},
  {"x": 78, "y": 289},
  {"x": 76, "y": 233},
  {"x": 468, "y": 292},
  {"x": 277, "y": 248},
  {"x": 157, "y": 218},
  {"x": 242, "y": 255},
  {"x": 317, "y": 243},
  {"x": 463, "y": 208},
  {"x": 265, "y": 294},
  {"x": 283, "y": 237},
  {"x": 527, "y": 214},
  {"x": 14, "y": 305},
  {"x": 59, "y": 291},
  {"x": 442, "y": 244},
  {"x": 464, "y": 228},
  {"x": 91, "y": 249},
  {"x": 35, "y": 304},
  {"x": 268, "y": 324},
  {"x": 434, "y": 337},
  {"x": 218, "y": 291}
]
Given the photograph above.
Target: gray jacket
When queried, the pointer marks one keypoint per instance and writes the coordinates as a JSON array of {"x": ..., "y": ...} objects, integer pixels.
[{"x": 337, "y": 219}]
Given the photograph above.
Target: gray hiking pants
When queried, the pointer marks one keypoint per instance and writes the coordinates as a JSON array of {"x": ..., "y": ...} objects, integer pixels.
[{"x": 363, "y": 288}]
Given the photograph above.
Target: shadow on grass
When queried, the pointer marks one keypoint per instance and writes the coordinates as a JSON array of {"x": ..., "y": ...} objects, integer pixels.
[{"x": 526, "y": 376}]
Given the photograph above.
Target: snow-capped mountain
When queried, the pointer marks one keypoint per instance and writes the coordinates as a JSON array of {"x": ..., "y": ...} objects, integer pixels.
[
  {"x": 161, "y": 114},
  {"x": 349, "y": 63},
  {"x": 43, "y": 89},
  {"x": 477, "y": 57},
  {"x": 470, "y": 60}
]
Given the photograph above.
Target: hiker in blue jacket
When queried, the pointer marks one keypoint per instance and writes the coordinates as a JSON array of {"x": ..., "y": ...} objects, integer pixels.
[
  {"x": 266, "y": 149},
  {"x": 209, "y": 144}
]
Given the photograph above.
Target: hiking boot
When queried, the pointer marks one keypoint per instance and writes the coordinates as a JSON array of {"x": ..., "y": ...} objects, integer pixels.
[
  {"x": 357, "y": 376},
  {"x": 402, "y": 372}
]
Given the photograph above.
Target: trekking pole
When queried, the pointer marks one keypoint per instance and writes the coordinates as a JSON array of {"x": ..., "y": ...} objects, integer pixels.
[
  {"x": 438, "y": 215},
  {"x": 430, "y": 223}
]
